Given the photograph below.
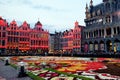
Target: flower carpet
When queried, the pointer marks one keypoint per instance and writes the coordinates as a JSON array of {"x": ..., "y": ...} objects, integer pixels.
[{"x": 70, "y": 65}]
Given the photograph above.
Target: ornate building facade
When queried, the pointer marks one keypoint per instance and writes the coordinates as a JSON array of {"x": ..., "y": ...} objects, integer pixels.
[
  {"x": 14, "y": 38},
  {"x": 102, "y": 32},
  {"x": 77, "y": 37},
  {"x": 51, "y": 43},
  {"x": 57, "y": 42},
  {"x": 69, "y": 41},
  {"x": 3, "y": 35},
  {"x": 24, "y": 37},
  {"x": 39, "y": 39}
]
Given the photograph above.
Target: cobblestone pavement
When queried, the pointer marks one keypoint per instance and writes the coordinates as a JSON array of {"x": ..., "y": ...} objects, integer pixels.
[{"x": 9, "y": 73}]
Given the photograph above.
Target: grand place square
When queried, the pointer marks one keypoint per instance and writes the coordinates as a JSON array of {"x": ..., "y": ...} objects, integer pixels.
[{"x": 87, "y": 48}]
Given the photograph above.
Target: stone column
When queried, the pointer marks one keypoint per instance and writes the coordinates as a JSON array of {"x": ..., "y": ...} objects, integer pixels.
[
  {"x": 88, "y": 47},
  {"x": 104, "y": 32},
  {"x": 98, "y": 34},
  {"x": 99, "y": 46},
  {"x": 93, "y": 34},
  {"x": 111, "y": 17},
  {"x": 88, "y": 35},
  {"x": 116, "y": 31},
  {"x": 105, "y": 46},
  {"x": 112, "y": 32}
]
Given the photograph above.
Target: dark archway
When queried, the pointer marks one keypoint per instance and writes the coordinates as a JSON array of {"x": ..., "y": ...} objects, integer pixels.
[
  {"x": 96, "y": 46},
  {"x": 91, "y": 48},
  {"x": 102, "y": 46},
  {"x": 109, "y": 45},
  {"x": 86, "y": 47}
]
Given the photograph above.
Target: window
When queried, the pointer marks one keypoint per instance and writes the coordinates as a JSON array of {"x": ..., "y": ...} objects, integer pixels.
[
  {"x": 3, "y": 42},
  {"x": 4, "y": 34},
  {"x": 102, "y": 32},
  {"x": 107, "y": 6},
  {"x": 12, "y": 28},
  {"x": 13, "y": 39},
  {"x": 108, "y": 31},
  {"x": 20, "y": 39},
  {"x": 99, "y": 33},
  {"x": 4, "y": 28},
  {"x": 11, "y": 32},
  {"x": 119, "y": 6},
  {"x": 113, "y": 6},
  {"x": 9, "y": 39},
  {"x": 14, "y": 33},
  {"x": 8, "y": 32},
  {"x": 17, "y": 33},
  {"x": 114, "y": 30},
  {"x": 20, "y": 33}
]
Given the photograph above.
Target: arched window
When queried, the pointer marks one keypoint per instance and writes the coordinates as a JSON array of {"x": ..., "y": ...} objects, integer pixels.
[
  {"x": 107, "y": 6},
  {"x": 118, "y": 6}
]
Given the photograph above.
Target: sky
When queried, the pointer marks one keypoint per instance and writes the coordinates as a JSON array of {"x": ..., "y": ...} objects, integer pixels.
[{"x": 55, "y": 15}]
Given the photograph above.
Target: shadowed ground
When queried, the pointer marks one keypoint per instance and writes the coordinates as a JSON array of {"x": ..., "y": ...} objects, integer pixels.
[{"x": 10, "y": 73}]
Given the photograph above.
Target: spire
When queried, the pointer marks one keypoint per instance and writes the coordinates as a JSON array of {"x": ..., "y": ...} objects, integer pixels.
[
  {"x": 86, "y": 7},
  {"x": 38, "y": 23},
  {"x": 2, "y": 22},
  {"x": 76, "y": 23},
  {"x": 87, "y": 11},
  {"x": 25, "y": 24},
  {"x": 91, "y": 3},
  {"x": 13, "y": 22},
  {"x": 0, "y": 17}
]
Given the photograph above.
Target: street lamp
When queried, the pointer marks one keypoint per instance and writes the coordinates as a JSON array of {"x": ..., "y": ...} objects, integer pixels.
[
  {"x": 22, "y": 72},
  {"x": 6, "y": 61}
]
